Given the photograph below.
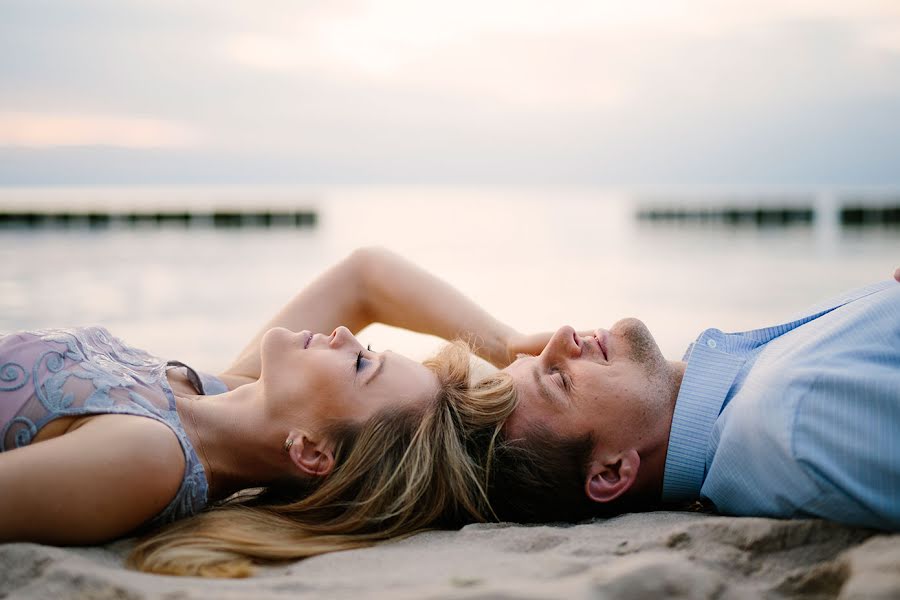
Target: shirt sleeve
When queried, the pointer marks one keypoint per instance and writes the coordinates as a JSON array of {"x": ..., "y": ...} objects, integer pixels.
[{"x": 847, "y": 441}]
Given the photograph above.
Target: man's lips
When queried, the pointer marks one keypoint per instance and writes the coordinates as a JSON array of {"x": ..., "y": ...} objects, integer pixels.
[{"x": 602, "y": 337}]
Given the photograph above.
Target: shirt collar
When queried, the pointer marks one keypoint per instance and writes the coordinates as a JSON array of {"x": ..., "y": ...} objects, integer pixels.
[
  {"x": 714, "y": 361},
  {"x": 708, "y": 377}
]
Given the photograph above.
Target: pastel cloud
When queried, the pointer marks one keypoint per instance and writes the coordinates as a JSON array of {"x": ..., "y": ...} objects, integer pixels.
[
  {"x": 507, "y": 90},
  {"x": 36, "y": 130}
]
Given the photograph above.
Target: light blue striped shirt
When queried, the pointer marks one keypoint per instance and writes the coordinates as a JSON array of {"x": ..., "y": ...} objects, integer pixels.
[{"x": 800, "y": 419}]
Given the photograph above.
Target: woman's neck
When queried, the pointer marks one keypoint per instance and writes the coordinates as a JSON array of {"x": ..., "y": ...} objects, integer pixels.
[{"x": 238, "y": 446}]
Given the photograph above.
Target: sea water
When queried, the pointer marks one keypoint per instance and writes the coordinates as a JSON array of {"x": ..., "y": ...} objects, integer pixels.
[{"x": 537, "y": 258}]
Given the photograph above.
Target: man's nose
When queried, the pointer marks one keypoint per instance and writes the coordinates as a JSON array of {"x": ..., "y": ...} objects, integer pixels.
[{"x": 563, "y": 344}]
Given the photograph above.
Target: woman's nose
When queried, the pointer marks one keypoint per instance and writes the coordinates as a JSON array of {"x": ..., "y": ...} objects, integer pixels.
[
  {"x": 563, "y": 344},
  {"x": 342, "y": 336}
]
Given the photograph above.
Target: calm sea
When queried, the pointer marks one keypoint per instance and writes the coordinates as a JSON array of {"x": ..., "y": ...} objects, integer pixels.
[{"x": 538, "y": 258}]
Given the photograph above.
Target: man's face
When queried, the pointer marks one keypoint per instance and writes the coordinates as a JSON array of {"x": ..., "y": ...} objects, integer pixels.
[{"x": 613, "y": 385}]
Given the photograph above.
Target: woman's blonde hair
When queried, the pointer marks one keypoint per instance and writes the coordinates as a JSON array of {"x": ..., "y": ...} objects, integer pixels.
[{"x": 399, "y": 472}]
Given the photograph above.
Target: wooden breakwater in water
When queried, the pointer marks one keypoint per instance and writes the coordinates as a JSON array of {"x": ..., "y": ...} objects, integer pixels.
[
  {"x": 774, "y": 211},
  {"x": 855, "y": 215},
  {"x": 100, "y": 219}
]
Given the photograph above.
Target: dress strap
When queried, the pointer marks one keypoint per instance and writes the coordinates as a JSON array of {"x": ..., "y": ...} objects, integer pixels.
[{"x": 191, "y": 375}]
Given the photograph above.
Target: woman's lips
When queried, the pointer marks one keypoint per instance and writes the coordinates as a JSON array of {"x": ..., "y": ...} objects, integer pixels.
[{"x": 308, "y": 336}]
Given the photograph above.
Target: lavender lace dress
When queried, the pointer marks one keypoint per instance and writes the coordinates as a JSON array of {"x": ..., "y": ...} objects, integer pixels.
[{"x": 52, "y": 373}]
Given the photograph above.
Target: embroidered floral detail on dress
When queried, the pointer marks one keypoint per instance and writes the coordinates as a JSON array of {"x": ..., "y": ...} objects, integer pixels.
[{"x": 57, "y": 373}]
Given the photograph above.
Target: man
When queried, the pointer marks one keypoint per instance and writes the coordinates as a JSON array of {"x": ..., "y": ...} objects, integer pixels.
[{"x": 799, "y": 419}]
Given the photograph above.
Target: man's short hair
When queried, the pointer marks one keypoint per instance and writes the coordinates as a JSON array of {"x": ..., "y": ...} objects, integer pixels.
[{"x": 540, "y": 478}]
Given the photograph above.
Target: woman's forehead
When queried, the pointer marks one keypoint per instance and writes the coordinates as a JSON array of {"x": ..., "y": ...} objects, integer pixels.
[{"x": 407, "y": 379}]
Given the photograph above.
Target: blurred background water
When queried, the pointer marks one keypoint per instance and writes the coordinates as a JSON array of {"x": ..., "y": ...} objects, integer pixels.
[
  {"x": 506, "y": 145},
  {"x": 538, "y": 257}
]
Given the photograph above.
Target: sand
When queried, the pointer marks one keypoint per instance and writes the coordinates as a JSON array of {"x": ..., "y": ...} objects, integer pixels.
[{"x": 651, "y": 555}]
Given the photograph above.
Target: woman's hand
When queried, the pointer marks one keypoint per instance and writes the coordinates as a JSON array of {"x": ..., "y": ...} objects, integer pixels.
[
  {"x": 532, "y": 344},
  {"x": 897, "y": 274}
]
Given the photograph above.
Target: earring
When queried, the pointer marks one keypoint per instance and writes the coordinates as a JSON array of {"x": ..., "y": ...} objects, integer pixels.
[{"x": 287, "y": 444}]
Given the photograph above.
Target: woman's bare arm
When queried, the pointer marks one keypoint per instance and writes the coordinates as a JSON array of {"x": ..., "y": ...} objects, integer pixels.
[
  {"x": 91, "y": 485},
  {"x": 374, "y": 285},
  {"x": 401, "y": 294}
]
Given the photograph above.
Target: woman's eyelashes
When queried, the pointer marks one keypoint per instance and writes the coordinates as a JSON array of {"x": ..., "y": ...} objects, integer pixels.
[{"x": 361, "y": 360}]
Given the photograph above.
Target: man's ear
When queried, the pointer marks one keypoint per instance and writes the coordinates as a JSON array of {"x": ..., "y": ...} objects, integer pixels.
[
  {"x": 610, "y": 478},
  {"x": 311, "y": 456}
]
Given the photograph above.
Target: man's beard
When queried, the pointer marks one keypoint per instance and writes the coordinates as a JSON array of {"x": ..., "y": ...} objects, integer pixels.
[
  {"x": 645, "y": 353},
  {"x": 642, "y": 348}
]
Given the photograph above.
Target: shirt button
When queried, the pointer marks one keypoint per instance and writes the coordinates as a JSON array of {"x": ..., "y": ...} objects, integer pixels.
[{"x": 711, "y": 343}]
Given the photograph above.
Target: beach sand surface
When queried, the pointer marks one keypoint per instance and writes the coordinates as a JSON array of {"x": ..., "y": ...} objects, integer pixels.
[{"x": 649, "y": 555}]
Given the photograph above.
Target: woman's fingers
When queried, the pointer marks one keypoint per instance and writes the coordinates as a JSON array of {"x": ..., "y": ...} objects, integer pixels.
[{"x": 534, "y": 343}]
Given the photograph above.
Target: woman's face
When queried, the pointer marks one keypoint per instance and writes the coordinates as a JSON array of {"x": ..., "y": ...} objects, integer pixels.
[{"x": 322, "y": 379}]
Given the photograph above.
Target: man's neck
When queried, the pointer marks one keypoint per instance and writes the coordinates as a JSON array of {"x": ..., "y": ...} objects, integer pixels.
[
  {"x": 653, "y": 461},
  {"x": 678, "y": 367}
]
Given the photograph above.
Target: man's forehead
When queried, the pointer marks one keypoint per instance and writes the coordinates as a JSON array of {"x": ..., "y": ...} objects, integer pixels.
[{"x": 522, "y": 371}]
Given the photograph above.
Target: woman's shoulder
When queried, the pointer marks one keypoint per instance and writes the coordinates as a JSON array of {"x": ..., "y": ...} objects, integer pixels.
[{"x": 232, "y": 381}]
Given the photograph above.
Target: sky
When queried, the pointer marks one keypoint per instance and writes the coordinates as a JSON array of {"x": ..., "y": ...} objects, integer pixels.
[{"x": 646, "y": 92}]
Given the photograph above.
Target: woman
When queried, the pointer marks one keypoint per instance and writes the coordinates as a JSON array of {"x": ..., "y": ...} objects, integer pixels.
[{"x": 350, "y": 446}]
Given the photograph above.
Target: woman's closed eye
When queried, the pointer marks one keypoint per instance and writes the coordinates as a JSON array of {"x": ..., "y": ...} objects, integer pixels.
[{"x": 361, "y": 361}]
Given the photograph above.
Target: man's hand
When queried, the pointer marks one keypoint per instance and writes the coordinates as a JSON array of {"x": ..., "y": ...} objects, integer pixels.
[{"x": 897, "y": 274}]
